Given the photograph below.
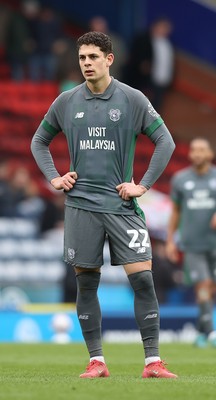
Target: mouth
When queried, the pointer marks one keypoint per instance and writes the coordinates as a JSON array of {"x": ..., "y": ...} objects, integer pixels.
[{"x": 89, "y": 72}]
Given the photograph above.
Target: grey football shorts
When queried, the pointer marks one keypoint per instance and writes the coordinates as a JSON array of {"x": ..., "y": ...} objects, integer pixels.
[
  {"x": 85, "y": 234},
  {"x": 200, "y": 266}
]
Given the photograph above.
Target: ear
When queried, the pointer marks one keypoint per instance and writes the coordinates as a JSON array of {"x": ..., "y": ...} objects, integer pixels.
[{"x": 110, "y": 59}]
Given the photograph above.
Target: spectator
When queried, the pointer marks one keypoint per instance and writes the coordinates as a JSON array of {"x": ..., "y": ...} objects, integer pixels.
[
  {"x": 19, "y": 193},
  {"x": 47, "y": 38},
  {"x": 68, "y": 72},
  {"x": 24, "y": 195},
  {"x": 19, "y": 38},
  {"x": 151, "y": 65},
  {"x": 100, "y": 24}
]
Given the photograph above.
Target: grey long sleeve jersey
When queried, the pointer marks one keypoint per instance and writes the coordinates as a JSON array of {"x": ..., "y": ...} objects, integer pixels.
[{"x": 101, "y": 132}]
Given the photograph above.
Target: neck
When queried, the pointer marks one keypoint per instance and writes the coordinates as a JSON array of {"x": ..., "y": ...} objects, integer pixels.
[
  {"x": 202, "y": 169},
  {"x": 99, "y": 87}
]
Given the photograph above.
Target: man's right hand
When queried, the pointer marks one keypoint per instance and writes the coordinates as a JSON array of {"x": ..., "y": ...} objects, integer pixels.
[
  {"x": 65, "y": 182},
  {"x": 172, "y": 252}
]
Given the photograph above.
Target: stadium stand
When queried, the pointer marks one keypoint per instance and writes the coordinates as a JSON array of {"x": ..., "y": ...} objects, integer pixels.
[
  {"x": 28, "y": 262},
  {"x": 4, "y": 67},
  {"x": 190, "y": 106}
]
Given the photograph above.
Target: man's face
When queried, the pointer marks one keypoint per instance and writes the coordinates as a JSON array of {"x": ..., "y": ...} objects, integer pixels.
[
  {"x": 200, "y": 153},
  {"x": 94, "y": 64}
]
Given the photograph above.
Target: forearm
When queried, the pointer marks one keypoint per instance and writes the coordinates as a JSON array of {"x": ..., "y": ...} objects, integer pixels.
[
  {"x": 40, "y": 150},
  {"x": 173, "y": 223},
  {"x": 164, "y": 147},
  {"x": 171, "y": 247},
  {"x": 213, "y": 221}
]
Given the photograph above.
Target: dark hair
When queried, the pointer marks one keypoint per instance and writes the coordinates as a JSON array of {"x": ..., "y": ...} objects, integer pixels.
[{"x": 98, "y": 39}]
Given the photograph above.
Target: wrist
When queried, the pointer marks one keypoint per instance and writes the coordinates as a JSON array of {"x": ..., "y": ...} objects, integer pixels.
[
  {"x": 170, "y": 240},
  {"x": 144, "y": 189},
  {"x": 53, "y": 179}
]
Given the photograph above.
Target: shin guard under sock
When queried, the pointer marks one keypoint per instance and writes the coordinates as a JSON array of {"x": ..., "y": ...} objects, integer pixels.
[
  {"x": 146, "y": 311},
  {"x": 88, "y": 311}
]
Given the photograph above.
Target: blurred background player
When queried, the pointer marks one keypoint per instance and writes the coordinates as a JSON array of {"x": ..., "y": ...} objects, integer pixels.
[{"x": 193, "y": 191}]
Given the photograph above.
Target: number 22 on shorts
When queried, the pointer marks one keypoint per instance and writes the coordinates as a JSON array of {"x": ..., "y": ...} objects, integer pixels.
[{"x": 139, "y": 238}]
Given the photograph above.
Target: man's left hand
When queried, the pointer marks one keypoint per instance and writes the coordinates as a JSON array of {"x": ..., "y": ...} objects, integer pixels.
[{"x": 129, "y": 189}]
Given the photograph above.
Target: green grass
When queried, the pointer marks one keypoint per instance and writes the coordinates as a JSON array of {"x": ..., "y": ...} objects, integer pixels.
[{"x": 50, "y": 372}]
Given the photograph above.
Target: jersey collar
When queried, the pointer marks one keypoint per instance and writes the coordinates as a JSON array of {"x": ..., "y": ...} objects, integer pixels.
[{"x": 104, "y": 96}]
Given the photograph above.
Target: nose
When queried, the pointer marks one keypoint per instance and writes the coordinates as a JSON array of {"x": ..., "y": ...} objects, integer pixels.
[{"x": 87, "y": 62}]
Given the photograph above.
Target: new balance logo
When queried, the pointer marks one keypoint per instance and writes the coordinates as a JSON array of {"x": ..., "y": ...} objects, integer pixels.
[
  {"x": 79, "y": 115},
  {"x": 141, "y": 250},
  {"x": 149, "y": 316},
  {"x": 83, "y": 316}
]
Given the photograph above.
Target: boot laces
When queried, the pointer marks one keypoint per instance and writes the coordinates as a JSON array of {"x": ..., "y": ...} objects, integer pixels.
[{"x": 91, "y": 365}]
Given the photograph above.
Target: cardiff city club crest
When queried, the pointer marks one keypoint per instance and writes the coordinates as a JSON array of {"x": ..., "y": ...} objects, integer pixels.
[{"x": 114, "y": 114}]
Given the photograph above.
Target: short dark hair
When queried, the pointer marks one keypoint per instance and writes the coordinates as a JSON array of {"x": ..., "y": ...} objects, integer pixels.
[{"x": 98, "y": 39}]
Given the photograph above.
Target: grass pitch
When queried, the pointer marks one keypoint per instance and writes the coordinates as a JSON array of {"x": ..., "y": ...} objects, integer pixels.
[{"x": 50, "y": 372}]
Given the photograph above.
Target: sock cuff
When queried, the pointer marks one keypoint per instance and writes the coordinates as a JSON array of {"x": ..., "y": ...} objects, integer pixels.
[{"x": 150, "y": 360}]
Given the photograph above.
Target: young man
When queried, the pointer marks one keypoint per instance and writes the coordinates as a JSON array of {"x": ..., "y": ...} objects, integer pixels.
[
  {"x": 101, "y": 119},
  {"x": 193, "y": 192}
]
